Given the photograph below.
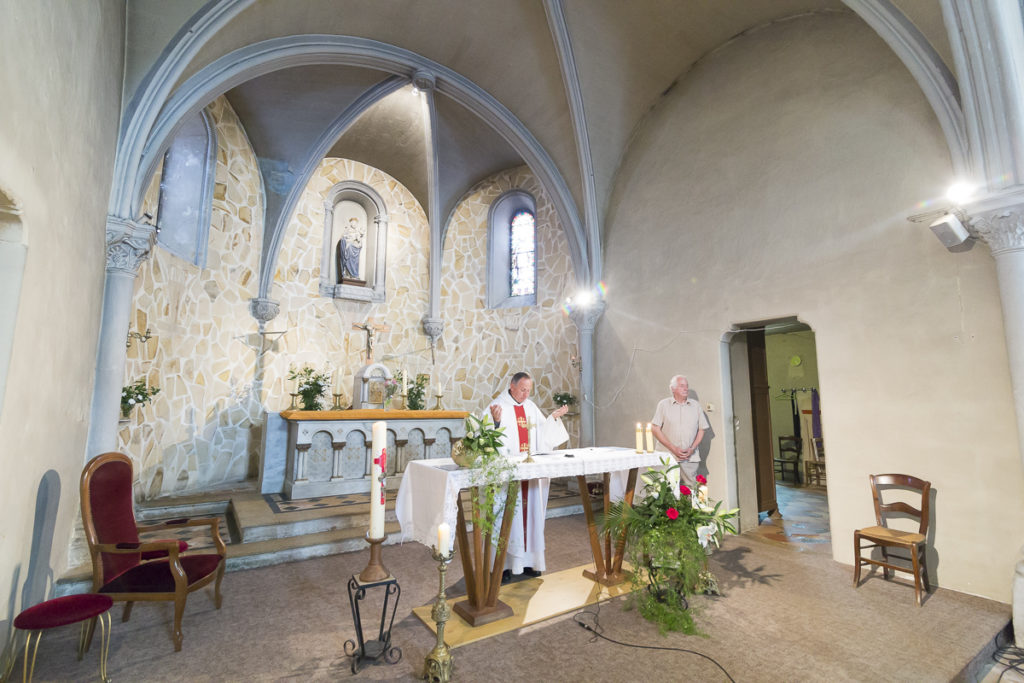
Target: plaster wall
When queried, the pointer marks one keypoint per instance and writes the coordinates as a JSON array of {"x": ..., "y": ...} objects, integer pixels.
[
  {"x": 60, "y": 83},
  {"x": 774, "y": 181}
]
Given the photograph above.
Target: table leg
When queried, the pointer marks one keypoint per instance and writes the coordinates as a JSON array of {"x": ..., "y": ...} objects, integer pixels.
[
  {"x": 608, "y": 567},
  {"x": 482, "y": 605}
]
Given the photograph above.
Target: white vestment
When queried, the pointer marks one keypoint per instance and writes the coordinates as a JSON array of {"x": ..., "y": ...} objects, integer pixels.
[{"x": 547, "y": 434}]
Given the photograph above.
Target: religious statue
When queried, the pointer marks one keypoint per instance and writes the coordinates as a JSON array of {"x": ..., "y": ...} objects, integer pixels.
[{"x": 349, "y": 248}]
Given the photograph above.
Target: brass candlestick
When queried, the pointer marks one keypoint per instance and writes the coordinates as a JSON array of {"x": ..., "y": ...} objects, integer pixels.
[
  {"x": 337, "y": 401},
  {"x": 439, "y": 660},
  {"x": 295, "y": 402},
  {"x": 438, "y": 405}
]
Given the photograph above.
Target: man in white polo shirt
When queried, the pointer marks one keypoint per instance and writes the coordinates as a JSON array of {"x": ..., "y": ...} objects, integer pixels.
[{"x": 679, "y": 425}]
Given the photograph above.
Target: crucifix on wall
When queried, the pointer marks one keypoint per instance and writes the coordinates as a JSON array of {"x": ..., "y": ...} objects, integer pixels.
[{"x": 371, "y": 329}]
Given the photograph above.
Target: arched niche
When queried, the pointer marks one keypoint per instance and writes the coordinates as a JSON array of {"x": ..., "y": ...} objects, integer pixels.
[{"x": 353, "y": 262}]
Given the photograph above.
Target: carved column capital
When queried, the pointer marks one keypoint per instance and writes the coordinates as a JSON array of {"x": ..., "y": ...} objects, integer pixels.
[
  {"x": 264, "y": 310},
  {"x": 1002, "y": 229},
  {"x": 433, "y": 327},
  {"x": 586, "y": 317},
  {"x": 129, "y": 243}
]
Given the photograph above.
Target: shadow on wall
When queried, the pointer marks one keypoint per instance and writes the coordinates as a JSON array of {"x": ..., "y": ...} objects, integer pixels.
[
  {"x": 39, "y": 578},
  {"x": 705, "y": 444}
]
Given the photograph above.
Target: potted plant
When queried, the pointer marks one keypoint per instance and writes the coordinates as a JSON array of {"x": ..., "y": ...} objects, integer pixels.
[
  {"x": 564, "y": 398},
  {"x": 415, "y": 397},
  {"x": 139, "y": 393},
  {"x": 310, "y": 386},
  {"x": 480, "y": 450},
  {"x": 669, "y": 534}
]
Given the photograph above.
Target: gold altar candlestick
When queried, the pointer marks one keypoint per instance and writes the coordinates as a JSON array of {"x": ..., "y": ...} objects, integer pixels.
[
  {"x": 295, "y": 402},
  {"x": 337, "y": 401},
  {"x": 438, "y": 664}
]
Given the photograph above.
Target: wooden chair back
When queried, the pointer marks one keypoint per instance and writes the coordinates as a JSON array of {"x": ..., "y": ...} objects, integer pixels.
[
  {"x": 905, "y": 481},
  {"x": 108, "y": 513}
]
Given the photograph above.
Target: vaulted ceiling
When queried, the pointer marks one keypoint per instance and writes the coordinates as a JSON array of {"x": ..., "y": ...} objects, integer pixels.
[{"x": 576, "y": 77}]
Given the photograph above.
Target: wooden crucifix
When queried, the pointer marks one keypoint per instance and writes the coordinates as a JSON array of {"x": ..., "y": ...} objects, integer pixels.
[{"x": 370, "y": 328}]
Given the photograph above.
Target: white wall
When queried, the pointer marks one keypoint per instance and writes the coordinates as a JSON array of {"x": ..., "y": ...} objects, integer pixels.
[
  {"x": 60, "y": 85},
  {"x": 774, "y": 181}
]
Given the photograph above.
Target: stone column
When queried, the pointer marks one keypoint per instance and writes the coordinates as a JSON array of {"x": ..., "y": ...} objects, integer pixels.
[
  {"x": 586, "y": 320},
  {"x": 128, "y": 244},
  {"x": 1003, "y": 229},
  {"x": 326, "y": 283}
]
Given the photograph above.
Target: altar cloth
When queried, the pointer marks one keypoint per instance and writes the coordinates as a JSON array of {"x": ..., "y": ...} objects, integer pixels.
[{"x": 430, "y": 488}]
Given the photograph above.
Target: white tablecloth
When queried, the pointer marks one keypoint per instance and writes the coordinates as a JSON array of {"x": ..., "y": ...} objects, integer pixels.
[{"x": 429, "y": 489}]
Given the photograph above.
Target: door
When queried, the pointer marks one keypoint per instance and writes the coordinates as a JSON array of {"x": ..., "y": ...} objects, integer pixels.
[{"x": 761, "y": 422}]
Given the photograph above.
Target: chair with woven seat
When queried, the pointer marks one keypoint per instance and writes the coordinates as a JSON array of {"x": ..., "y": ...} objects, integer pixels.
[
  {"x": 814, "y": 468},
  {"x": 128, "y": 570},
  {"x": 885, "y": 538}
]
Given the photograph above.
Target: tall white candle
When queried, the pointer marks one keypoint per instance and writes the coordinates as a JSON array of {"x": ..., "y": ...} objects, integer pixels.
[
  {"x": 444, "y": 535},
  {"x": 405, "y": 381},
  {"x": 377, "y": 488},
  {"x": 649, "y": 438},
  {"x": 639, "y": 438}
]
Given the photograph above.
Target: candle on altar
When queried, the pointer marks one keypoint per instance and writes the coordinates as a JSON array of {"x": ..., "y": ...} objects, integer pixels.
[
  {"x": 649, "y": 438},
  {"x": 439, "y": 388},
  {"x": 405, "y": 381},
  {"x": 639, "y": 438},
  {"x": 377, "y": 470},
  {"x": 336, "y": 384},
  {"x": 444, "y": 535}
]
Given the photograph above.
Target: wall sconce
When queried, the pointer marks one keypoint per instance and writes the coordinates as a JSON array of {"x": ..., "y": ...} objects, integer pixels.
[{"x": 137, "y": 335}]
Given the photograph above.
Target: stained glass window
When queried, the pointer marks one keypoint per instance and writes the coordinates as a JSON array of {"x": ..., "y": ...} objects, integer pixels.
[{"x": 523, "y": 270}]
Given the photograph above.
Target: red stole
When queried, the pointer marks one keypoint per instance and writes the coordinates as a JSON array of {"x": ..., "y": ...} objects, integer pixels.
[{"x": 524, "y": 447}]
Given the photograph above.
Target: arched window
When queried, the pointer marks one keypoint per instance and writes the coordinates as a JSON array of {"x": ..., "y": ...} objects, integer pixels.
[
  {"x": 186, "y": 190},
  {"x": 12, "y": 268},
  {"x": 512, "y": 251}
]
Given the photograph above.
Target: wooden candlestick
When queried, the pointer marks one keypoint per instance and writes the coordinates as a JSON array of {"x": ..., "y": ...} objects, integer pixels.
[{"x": 375, "y": 569}]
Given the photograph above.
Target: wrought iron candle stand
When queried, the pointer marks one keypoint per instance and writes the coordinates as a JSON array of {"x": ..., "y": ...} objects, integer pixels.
[
  {"x": 379, "y": 650},
  {"x": 439, "y": 660}
]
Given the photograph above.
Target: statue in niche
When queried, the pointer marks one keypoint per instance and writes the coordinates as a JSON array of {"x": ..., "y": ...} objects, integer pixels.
[{"x": 350, "y": 246}]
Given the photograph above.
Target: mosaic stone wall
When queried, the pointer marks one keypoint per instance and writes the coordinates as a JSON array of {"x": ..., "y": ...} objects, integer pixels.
[{"x": 203, "y": 430}]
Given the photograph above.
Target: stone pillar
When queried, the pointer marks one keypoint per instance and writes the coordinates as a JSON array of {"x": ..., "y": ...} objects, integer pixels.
[
  {"x": 326, "y": 283},
  {"x": 586, "y": 320},
  {"x": 128, "y": 244},
  {"x": 1003, "y": 229}
]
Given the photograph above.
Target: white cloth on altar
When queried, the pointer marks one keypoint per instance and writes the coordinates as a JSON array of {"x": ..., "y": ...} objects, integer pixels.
[
  {"x": 547, "y": 434},
  {"x": 429, "y": 490},
  {"x": 617, "y": 480}
]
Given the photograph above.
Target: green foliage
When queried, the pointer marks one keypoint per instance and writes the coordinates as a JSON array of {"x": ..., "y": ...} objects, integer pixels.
[
  {"x": 136, "y": 394},
  {"x": 668, "y": 538},
  {"x": 312, "y": 386},
  {"x": 416, "y": 391},
  {"x": 491, "y": 472},
  {"x": 564, "y": 398}
]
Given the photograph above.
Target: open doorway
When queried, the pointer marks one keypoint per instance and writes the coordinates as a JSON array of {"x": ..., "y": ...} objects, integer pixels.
[{"x": 778, "y": 444}]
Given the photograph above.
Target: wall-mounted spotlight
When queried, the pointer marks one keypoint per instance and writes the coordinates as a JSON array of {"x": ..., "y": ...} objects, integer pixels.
[{"x": 950, "y": 231}]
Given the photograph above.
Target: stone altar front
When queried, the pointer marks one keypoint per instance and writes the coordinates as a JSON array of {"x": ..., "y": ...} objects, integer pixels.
[{"x": 328, "y": 451}]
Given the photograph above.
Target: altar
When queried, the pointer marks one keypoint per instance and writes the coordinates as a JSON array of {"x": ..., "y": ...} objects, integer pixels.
[
  {"x": 430, "y": 495},
  {"x": 328, "y": 451}
]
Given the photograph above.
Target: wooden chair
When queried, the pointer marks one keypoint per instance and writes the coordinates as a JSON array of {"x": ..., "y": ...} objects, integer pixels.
[
  {"x": 789, "y": 444},
  {"x": 128, "y": 570},
  {"x": 814, "y": 470},
  {"x": 881, "y": 536}
]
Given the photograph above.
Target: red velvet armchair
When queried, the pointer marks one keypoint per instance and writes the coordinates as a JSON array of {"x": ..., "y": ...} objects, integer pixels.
[{"x": 128, "y": 570}]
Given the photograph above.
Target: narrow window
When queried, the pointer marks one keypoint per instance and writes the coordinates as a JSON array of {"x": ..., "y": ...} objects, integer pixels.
[
  {"x": 186, "y": 190},
  {"x": 523, "y": 270}
]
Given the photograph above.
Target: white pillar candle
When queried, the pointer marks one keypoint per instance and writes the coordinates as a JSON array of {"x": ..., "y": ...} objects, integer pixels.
[
  {"x": 405, "y": 381},
  {"x": 444, "y": 535},
  {"x": 649, "y": 438},
  {"x": 377, "y": 488},
  {"x": 639, "y": 438}
]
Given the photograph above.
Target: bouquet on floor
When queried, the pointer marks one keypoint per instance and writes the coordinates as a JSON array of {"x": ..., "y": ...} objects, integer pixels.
[{"x": 669, "y": 534}]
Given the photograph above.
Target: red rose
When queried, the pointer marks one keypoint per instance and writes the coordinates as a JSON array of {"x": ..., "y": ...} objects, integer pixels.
[
  {"x": 672, "y": 513},
  {"x": 701, "y": 479},
  {"x": 684, "y": 489}
]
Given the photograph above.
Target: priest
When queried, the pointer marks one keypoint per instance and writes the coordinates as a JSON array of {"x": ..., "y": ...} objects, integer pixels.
[{"x": 523, "y": 420}]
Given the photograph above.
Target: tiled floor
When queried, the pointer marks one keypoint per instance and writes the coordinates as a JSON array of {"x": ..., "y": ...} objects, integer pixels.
[{"x": 803, "y": 520}]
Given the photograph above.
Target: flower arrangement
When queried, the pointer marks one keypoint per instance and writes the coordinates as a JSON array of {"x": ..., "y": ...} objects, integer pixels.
[
  {"x": 416, "y": 391},
  {"x": 139, "y": 393},
  {"x": 669, "y": 535},
  {"x": 491, "y": 472},
  {"x": 564, "y": 398},
  {"x": 391, "y": 387},
  {"x": 310, "y": 386}
]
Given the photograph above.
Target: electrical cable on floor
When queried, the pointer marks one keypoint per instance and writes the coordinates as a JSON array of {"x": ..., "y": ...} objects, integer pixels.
[
  {"x": 597, "y": 630},
  {"x": 1010, "y": 656}
]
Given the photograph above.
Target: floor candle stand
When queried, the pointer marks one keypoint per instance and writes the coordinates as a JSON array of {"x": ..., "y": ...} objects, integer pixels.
[
  {"x": 438, "y": 664},
  {"x": 361, "y": 651}
]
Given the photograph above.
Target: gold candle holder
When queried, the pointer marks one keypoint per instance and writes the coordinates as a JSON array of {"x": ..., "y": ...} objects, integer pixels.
[
  {"x": 437, "y": 405},
  {"x": 295, "y": 402},
  {"x": 337, "y": 401},
  {"x": 438, "y": 664}
]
